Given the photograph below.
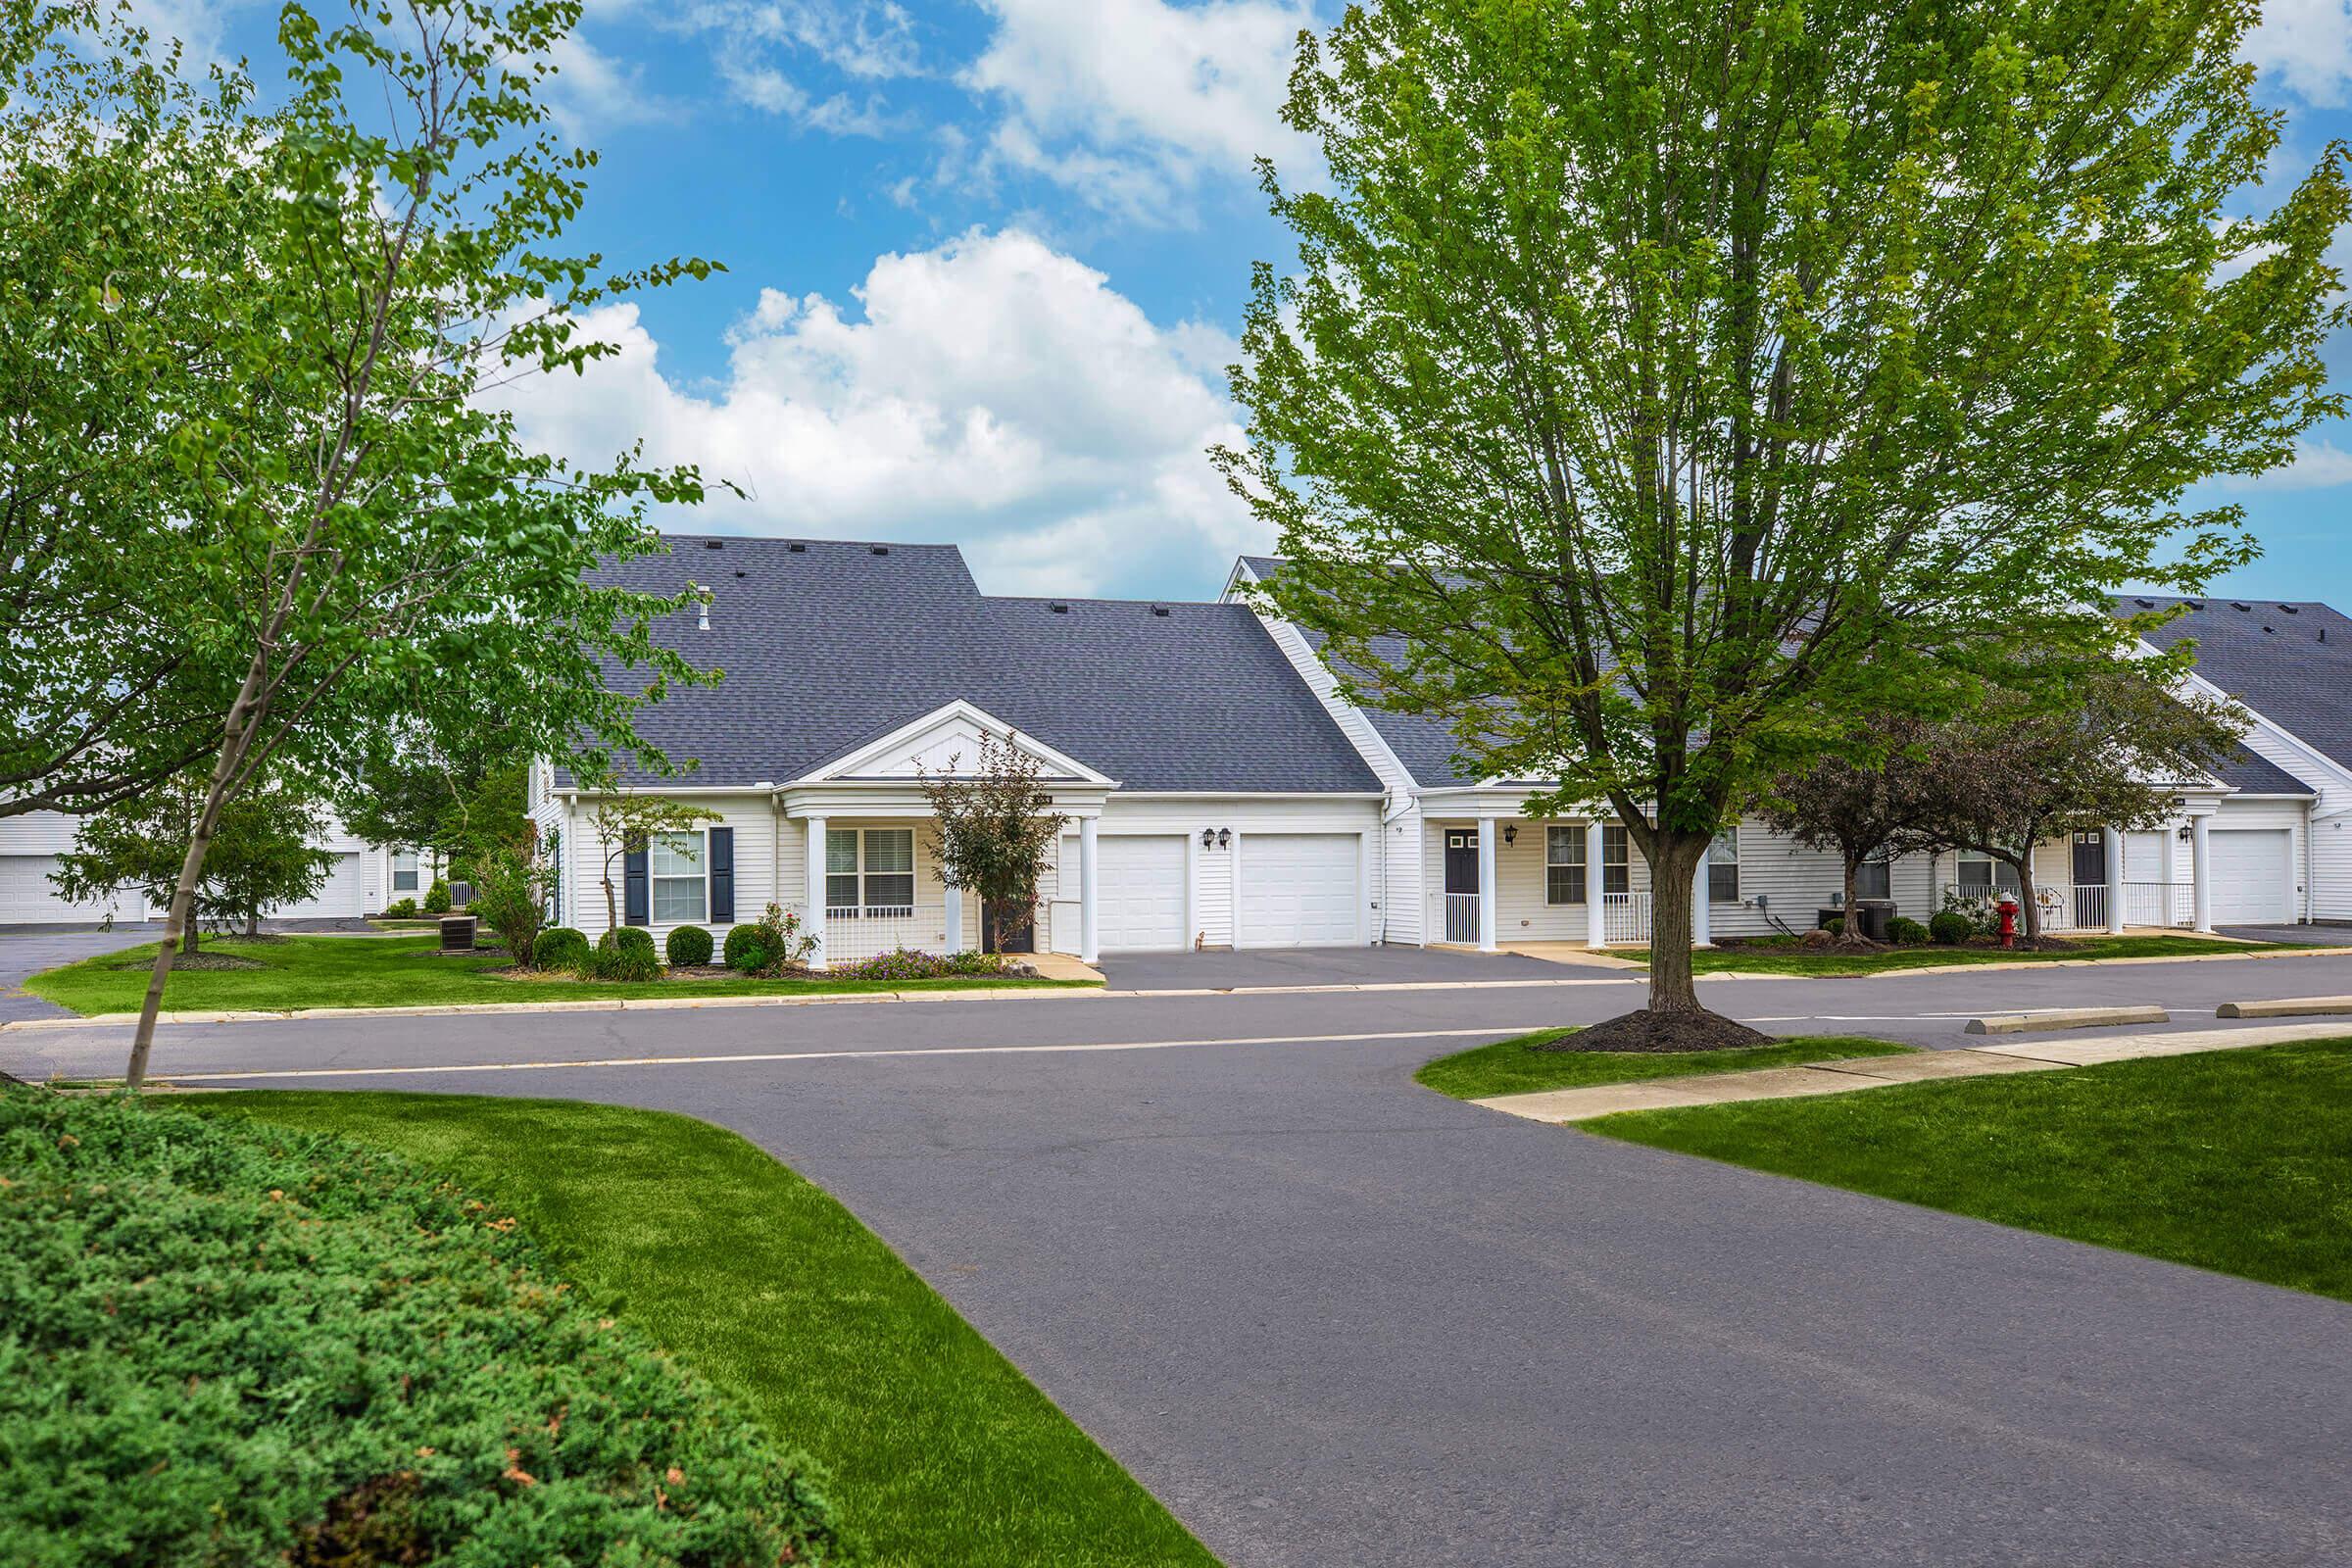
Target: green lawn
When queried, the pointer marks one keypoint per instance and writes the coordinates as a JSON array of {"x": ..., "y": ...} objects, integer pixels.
[
  {"x": 2237, "y": 1160},
  {"x": 940, "y": 1449},
  {"x": 1514, "y": 1067},
  {"x": 1792, "y": 959},
  {"x": 330, "y": 971}
]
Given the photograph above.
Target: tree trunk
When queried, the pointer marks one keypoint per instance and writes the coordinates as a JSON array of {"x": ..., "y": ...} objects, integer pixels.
[
  {"x": 2028, "y": 905},
  {"x": 178, "y": 922},
  {"x": 1673, "y": 866},
  {"x": 187, "y": 938},
  {"x": 1853, "y": 874}
]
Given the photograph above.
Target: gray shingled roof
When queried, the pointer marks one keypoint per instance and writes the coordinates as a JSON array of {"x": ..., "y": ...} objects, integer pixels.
[
  {"x": 1425, "y": 746},
  {"x": 833, "y": 643},
  {"x": 2289, "y": 662}
]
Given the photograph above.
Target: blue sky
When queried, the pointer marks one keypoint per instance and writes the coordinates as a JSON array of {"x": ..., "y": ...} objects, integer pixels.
[{"x": 986, "y": 258}]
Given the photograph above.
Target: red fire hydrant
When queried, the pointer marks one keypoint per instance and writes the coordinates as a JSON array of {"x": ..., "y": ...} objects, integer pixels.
[{"x": 2008, "y": 909}]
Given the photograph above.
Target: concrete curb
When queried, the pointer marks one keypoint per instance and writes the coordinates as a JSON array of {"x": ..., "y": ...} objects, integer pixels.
[
  {"x": 2018, "y": 1023},
  {"x": 2284, "y": 1007}
]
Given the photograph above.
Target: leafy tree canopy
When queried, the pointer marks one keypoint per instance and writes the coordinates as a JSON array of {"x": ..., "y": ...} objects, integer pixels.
[{"x": 1683, "y": 384}]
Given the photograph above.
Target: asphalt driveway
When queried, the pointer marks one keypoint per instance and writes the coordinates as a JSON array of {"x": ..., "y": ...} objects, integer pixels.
[
  {"x": 29, "y": 949},
  {"x": 1332, "y": 1318},
  {"x": 1251, "y": 968}
]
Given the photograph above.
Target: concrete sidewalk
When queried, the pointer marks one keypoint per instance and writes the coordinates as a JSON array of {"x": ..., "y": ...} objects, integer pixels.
[{"x": 1844, "y": 1076}]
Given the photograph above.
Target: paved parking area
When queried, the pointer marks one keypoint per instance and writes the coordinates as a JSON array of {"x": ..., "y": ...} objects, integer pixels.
[
  {"x": 1246, "y": 968},
  {"x": 1333, "y": 1318},
  {"x": 29, "y": 949}
]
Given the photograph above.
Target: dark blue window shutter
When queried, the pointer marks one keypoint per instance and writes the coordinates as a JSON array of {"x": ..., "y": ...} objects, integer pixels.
[
  {"x": 723, "y": 876},
  {"x": 636, "y": 905}
]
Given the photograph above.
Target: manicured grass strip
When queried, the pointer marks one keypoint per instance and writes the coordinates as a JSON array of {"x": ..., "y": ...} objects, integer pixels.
[
  {"x": 328, "y": 971},
  {"x": 940, "y": 1449},
  {"x": 1795, "y": 961},
  {"x": 1513, "y": 1067},
  {"x": 2237, "y": 1160}
]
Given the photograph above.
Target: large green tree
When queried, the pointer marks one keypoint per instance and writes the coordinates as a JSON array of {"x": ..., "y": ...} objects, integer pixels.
[
  {"x": 371, "y": 547},
  {"x": 125, "y": 198},
  {"x": 1685, "y": 382}
]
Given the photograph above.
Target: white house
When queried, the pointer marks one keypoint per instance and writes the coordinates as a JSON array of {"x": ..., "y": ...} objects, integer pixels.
[
  {"x": 1218, "y": 791},
  {"x": 30, "y": 844}
]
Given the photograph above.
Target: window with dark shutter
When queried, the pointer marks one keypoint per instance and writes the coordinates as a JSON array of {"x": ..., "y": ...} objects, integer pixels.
[
  {"x": 723, "y": 876},
  {"x": 636, "y": 901}
]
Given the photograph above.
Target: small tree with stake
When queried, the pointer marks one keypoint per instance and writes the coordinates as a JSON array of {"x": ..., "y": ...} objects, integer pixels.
[
  {"x": 625, "y": 824},
  {"x": 995, "y": 832},
  {"x": 2017, "y": 772}
]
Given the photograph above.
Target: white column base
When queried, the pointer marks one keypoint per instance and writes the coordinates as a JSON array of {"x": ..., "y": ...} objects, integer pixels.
[
  {"x": 1596, "y": 910},
  {"x": 1088, "y": 951},
  {"x": 1487, "y": 898},
  {"x": 2115, "y": 880},
  {"x": 812, "y": 912}
]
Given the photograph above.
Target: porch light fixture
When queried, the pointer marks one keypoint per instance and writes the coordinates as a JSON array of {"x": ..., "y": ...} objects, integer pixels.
[
  {"x": 1209, "y": 838},
  {"x": 1510, "y": 832},
  {"x": 1224, "y": 838}
]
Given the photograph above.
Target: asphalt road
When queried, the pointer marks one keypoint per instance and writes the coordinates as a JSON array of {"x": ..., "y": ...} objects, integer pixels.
[{"x": 1331, "y": 1318}]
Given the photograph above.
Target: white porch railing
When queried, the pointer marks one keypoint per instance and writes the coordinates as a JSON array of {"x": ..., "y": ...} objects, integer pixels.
[
  {"x": 2084, "y": 906},
  {"x": 2169, "y": 903},
  {"x": 1624, "y": 917},
  {"x": 865, "y": 930},
  {"x": 1461, "y": 917}
]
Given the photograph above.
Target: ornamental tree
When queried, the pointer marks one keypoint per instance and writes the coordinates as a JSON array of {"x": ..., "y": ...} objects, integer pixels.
[
  {"x": 624, "y": 824},
  {"x": 365, "y": 543},
  {"x": 995, "y": 832},
  {"x": 1864, "y": 808},
  {"x": 1681, "y": 384},
  {"x": 2014, "y": 773}
]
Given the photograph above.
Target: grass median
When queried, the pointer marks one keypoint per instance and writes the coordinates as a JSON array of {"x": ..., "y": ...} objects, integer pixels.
[
  {"x": 333, "y": 971},
  {"x": 2234, "y": 1160},
  {"x": 941, "y": 1451},
  {"x": 1519, "y": 1067}
]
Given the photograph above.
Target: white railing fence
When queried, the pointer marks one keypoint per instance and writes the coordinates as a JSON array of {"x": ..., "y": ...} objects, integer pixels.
[
  {"x": 2084, "y": 906},
  {"x": 864, "y": 931},
  {"x": 1625, "y": 918},
  {"x": 1461, "y": 917}
]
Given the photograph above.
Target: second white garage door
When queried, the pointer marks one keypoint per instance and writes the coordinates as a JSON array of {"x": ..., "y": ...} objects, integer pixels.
[
  {"x": 1298, "y": 890},
  {"x": 2253, "y": 876},
  {"x": 29, "y": 898},
  {"x": 339, "y": 895},
  {"x": 1140, "y": 883}
]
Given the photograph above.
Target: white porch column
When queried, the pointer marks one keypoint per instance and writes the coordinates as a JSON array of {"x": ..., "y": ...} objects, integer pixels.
[
  {"x": 812, "y": 914},
  {"x": 1087, "y": 950},
  {"x": 2200, "y": 880},
  {"x": 1597, "y": 914},
  {"x": 952, "y": 932},
  {"x": 1487, "y": 836},
  {"x": 2115, "y": 880},
  {"x": 1702, "y": 918}
]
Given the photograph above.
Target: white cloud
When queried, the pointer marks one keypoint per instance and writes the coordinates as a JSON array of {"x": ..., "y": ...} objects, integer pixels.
[
  {"x": 1131, "y": 102},
  {"x": 2317, "y": 464},
  {"x": 764, "y": 48},
  {"x": 2305, "y": 46},
  {"x": 992, "y": 392},
  {"x": 592, "y": 93}
]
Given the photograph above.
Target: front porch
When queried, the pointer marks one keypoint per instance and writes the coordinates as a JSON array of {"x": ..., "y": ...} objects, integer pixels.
[{"x": 1503, "y": 883}]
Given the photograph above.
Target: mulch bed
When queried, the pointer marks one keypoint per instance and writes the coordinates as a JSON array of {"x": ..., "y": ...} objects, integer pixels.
[{"x": 1648, "y": 1031}]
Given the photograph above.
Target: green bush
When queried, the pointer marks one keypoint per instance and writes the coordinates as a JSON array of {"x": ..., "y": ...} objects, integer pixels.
[
  {"x": 688, "y": 944},
  {"x": 626, "y": 954},
  {"x": 559, "y": 947},
  {"x": 905, "y": 964},
  {"x": 1834, "y": 925},
  {"x": 224, "y": 1343},
  {"x": 436, "y": 897},
  {"x": 747, "y": 949},
  {"x": 1906, "y": 932},
  {"x": 1951, "y": 928},
  {"x": 402, "y": 910}
]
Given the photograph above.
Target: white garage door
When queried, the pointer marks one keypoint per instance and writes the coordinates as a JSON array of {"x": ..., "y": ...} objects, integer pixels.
[
  {"x": 1141, "y": 885},
  {"x": 1298, "y": 890},
  {"x": 338, "y": 895},
  {"x": 29, "y": 898},
  {"x": 2253, "y": 876}
]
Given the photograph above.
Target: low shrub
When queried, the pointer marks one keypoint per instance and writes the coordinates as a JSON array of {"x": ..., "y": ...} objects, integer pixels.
[
  {"x": 1906, "y": 932},
  {"x": 1834, "y": 925},
  {"x": 559, "y": 947},
  {"x": 905, "y": 964},
  {"x": 228, "y": 1342},
  {"x": 746, "y": 949},
  {"x": 1951, "y": 928},
  {"x": 688, "y": 944},
  {"x": 436, "y": 897},
  {"x": 401, "y": 910},
  {"x": 626, "y": 953}
]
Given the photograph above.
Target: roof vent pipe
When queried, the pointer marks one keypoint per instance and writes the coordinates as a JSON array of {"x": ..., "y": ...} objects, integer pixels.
[{"x": 702, "y": 613}]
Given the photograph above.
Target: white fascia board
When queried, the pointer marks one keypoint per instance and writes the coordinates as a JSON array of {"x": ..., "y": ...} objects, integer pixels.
[{"x": 1058, "y": 763}]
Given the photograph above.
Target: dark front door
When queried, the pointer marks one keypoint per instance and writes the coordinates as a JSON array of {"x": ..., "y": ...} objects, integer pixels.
[
  {"x": 2091, "y": 879},
  {"x": 1023, "y": 940},
  {"x": 1461, "y": 884}
]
